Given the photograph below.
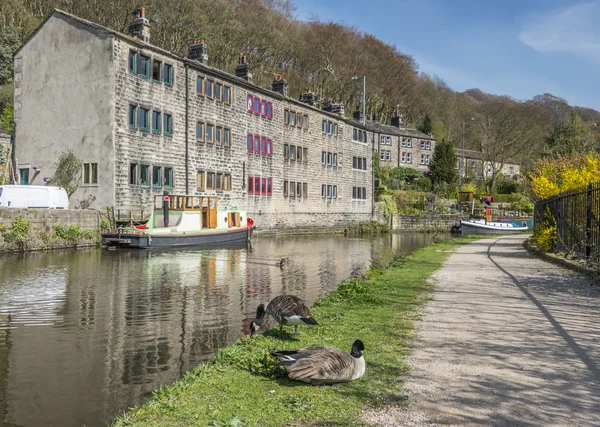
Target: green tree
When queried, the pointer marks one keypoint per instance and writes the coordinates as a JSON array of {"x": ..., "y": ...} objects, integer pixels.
[
  {"x": 9, "y": 43},
  {"x": 6, "y": 117},
  {"x": 571, "y": 138},
  {"x": 68, "y": 172},
  {"x": 442, "y": 169},
  {"x": 427, "y": 126}
]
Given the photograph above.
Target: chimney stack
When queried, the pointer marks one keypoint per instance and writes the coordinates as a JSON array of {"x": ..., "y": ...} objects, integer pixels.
[
  {"x": 397, "y": 120},
  {"x": 357, "y": 115},
  {"x": 374, "y": 118},
  {"x": 139, "y": 26},
  {"x": 335, "y": 108},
  {"x": 280, "y": 85},
  {"x": 308, "y": 97},
  {"x": 243, "y": 69},
  {"x": 198, "y": 52}
]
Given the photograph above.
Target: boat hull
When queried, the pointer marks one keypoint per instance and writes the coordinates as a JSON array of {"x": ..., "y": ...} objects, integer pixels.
[
  {"x": 469, "y": 227},
  {"x": 147, "y": 240}
]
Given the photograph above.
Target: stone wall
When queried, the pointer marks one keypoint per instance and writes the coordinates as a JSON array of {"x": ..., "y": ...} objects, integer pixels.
[
  {"x": 426, "y": 222},
  {"x": 42, "y": 228}
]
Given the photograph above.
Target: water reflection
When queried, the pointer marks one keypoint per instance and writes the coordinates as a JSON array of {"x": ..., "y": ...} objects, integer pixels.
[{"x": 86, "y": 334}]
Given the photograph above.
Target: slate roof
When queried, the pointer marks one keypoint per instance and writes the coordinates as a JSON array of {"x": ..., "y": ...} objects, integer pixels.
[{"x": 389, "y": 129}]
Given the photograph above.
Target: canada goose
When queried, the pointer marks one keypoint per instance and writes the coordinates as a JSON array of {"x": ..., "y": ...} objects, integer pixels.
[
  {"x": 323, "y": 365},
  {"x": 281, "y": 262},
  {"x": 289, "y": 310},
  {"x": 256, "y": 324}
]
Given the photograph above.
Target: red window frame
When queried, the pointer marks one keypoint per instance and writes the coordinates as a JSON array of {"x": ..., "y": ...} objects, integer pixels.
[
  {"x": 263, "y": 108},
  {"x": 269, "y": 147},
  {"x": 250, "y": 143},
  {"x": 263, "y": 187},
  {"x": 257, "y": 106},
  {"x": 256, "y": 144},
  {"x": 250, "y": 185},
  {"x": 250, "y": 104},
  {"x": 269, "y": 110},
  {"x": 256, "y": 184},
  {"x": 269, "y": 186},
  {"x": 263, "y": 145}
]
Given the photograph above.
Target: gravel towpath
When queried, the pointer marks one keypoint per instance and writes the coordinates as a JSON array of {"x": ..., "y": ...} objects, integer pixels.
[{"x": 507, "y": 340}]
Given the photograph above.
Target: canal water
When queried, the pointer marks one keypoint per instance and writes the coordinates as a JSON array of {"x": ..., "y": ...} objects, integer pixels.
[{"x": 86, "y": 334}]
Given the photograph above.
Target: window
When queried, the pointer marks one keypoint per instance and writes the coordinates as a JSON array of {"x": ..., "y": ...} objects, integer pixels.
[
  {"x": 306, "y": 121},
  {"x": 263, "y": 108},
  {"x": 256, "y": 185},
  {"x": 386, "y": 140},
  {"x": 286, "y": 119},
  {"x": 156, "y": 176},
  {"x": 256, "y": 144},
  {"x": 323, "y": 157},
  {"x": 208, "y": 88},
  {"x": 156, "y": 122},
  {"x": 132, "y": 61},
  {"x": 200, "y": 132},
  {"x": 218, "y": 91},
  {"x": 422, "y": 159},
  {"x": 133, "y": 176},
  {"x": 285, "y": 188},
  {"x": 292, "y": 152},
  {"x": 334, "y": 194},
  {"x": 226, "y": 138},
  {"x": 428, "y": 145},
  {"x": 168, "y": 175},
  {"x": 335, "y": 129},
  {"x": 334, "y": 161},
  {"x": 292, "y": 190},
  {"x": 144, "y": 175},
  {"x": 143, "y": 66},
  {"x": 250, "y": 143},
  {"x": 132, "y": 116},
  {"x": 403, "y": 157},
  {"x": 286, "y": 151},
  {"x": 210, "y": 180},
  {"x": 385, "y": 155},
  {"x": 256, "y": 107},
  {"x": 408, "y": 157},
  {"x": 305, "y": 155},
  {"x": 329, "y": 159},
  {"x": 208, "y": 134},
  {"x": 329, "y": 191},
  {"x": 263, "y": 145},
  {"x": 227, "y": 182},
  {"x": 168, "y": 74},
  {"x": 511, "y": 170},
  {"x": 299, "y": 154},
  {"x": 157, "y": 71},
  {"x": 324, "y": 190},
  {"x": 490, "y": 168},
  {"x": 359, "y": 193},
  {"x": 299, "y": 119},
  {"x": 143, "y": 118},
  {"x": 269, "y": 186},
  {"x": 200, "y": 180},
  {"x": 90, "y": 173},
  {"x": 269, "y": 147},
  {"x": 269, "y": 110},
  {"x": 329, "y": 128},
  {"x": 200, "y": 85},
  {"x": 168, "y": 127},
  {"x": 409, "y": 143},
  {"x": 227, "y": 95},
  {"x": 263, "y": 187},
  {"x": 427, "y": 159},
  {"x": 219, "y": 135},
  {"x": 305, "y": 189},
  {"x": 292, "y": 118},
  {"x": 354, "y": 135},
  {"x": 250, "y": 185},
  {"x": 219, "y": 183},
  {"x": 250, "y": 103},
  {"x": 324, "y": 126}
]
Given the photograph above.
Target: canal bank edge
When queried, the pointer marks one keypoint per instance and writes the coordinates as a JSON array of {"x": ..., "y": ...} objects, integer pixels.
[
  {"x": 40, "y": 229},
  {"x": 243, "y": 383},
  {"x": 562, "y": 259}
]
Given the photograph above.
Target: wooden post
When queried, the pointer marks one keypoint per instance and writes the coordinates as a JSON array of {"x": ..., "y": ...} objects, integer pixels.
[{"x": 588, "y": 224}]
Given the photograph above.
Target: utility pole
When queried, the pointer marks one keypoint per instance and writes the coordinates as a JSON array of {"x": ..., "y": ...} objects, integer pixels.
[
  {"x": 462, "y": 166},
  {"x": 364, "y": 100}
]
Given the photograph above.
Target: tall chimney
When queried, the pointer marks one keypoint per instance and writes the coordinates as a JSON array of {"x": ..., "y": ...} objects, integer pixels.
[
  {"x": 335, "y": 108},
  {"x": 280, "y": 85},
  {"x": 243, "y": 69},
  {"x": 198, "y": 52},
  {"x": 139, "y": 26},
  {"x": 397, "y": 120},
  {"x": 357, "y": 115}
]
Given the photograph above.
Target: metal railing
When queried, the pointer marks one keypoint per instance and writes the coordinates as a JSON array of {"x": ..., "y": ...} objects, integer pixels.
[{"x": 576, "y": 216}]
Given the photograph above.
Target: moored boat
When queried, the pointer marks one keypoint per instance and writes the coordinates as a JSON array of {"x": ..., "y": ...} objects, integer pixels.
[
  {"x": 181, "y": 220},
  {"x": 480, "y": 226}
]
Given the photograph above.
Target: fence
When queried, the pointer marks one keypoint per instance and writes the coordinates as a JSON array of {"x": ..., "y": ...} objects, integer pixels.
[{"x": 576, "y": 215}]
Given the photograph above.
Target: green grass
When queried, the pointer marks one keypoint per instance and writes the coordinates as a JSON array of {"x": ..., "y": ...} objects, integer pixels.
[{"x": 243, "y": 386}]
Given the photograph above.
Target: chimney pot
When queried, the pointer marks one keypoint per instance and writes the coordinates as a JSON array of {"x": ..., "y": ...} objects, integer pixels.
[
  {"x": 280, "y": 85},
  {"x": 242, "y": 69},
  {"x": 198, "y": 52},
  {"x": 139, "y": 26}
]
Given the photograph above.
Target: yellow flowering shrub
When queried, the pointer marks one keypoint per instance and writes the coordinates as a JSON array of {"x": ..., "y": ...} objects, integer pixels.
[{"x": 552, "y": 176}]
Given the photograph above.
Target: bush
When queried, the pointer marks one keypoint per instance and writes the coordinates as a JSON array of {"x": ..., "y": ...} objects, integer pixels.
[
  {"x": 424, "y": 183},
  {"x": 19, "y": 232},
  {"x": 507, "y": 187},
  {"x": 73, "y": 233}
]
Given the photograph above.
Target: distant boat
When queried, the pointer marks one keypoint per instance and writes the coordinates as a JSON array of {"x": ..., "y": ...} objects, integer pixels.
[
  {"x": 480, "y": 226},
  {"x": 178, "y": 220}
]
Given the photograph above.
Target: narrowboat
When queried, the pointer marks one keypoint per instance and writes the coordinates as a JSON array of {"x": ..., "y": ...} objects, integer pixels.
[
  {"x": 181, "y": 220},
  {"x": 480, "y": 226}
]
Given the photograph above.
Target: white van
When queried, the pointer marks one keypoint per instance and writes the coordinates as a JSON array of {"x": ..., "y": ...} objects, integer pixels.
[{"x": 33, "y": 196}]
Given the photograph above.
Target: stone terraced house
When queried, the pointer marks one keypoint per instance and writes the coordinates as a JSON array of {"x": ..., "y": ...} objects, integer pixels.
[{"x": 144, "y": 120}]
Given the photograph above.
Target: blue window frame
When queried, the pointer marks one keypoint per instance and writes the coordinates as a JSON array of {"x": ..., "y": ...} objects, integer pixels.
[
  {"x": 156, "y": 122},
  {"x": 256, "y": 106},
  {"x": 168, "y": 74},
  {"x": 200, "y": 132},
  {"x": 250, "y": 143},
  {"x": 143, "y": 117},
  {"x": 132, "y": 116},
  {"x": 168, "y": 174},
  {"x": 226, "y": 95},
  {"x": 168, "y": 124},
  {"x": 143, "y": 66},
  {"x": 256, "y": 144},
  {"x": 218, "y": 91},
  {"x": 208, "y": 88},
  {"x": 208, "y": 134},
  {"x": 132, "y": 61}
]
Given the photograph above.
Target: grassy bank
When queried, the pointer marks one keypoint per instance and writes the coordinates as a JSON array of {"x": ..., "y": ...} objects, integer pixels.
[{"x": 242, "y": 385}]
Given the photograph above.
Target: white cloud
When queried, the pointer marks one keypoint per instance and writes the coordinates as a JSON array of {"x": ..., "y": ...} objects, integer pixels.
[{"x": 574, "y": 30}]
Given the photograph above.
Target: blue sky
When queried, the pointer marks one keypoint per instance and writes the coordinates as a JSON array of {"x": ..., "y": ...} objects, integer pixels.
[{"x": 516, "y": 48}]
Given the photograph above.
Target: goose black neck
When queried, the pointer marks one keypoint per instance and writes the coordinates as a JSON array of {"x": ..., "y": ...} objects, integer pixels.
[{"x": 357, "y": 349}]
